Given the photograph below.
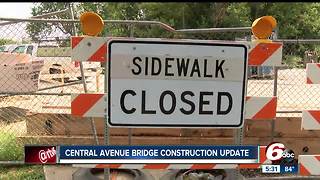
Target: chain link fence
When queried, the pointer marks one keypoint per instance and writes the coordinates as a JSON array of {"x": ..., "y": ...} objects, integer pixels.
[
  {"x": 294, "y": 94},
  {"x": 38, "y": 78}
]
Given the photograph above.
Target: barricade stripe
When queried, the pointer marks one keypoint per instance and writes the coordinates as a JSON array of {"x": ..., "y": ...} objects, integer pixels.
[
  {"x": 315, "y": 115},
  {"x": 131, "y": 166},
  {"x": 258, "y": 108},
  {"x": 310, "y": 120},
  {"x": 98, "y": 110},
  {"x": 100, "y": 54},
  {"x": 226, "y": 166},
  {"x": 313, "y": 73},
  {"x": 261, "y": 52},
  {"x": 111, "y": 166},
  {"x": 87, "y": 48},
  {"x": 268, "y": 111},
  {"x": 274, "y": 59},
  {"x": 160, "y": 166},
  {"x": 253, "y": 105},
  {"x": 303, "y": 170},
  {"x": 309, "y": 165},
  {"x": 75, "y": 41},
  {"x": 83, "y": 102},
  {"x": 309, "y": 81},
  {"x": 202, "y": 166},
  {"x": 179, "y": 166},
  {"x": 93, "y": 105},
  {"x": 156, "y": 166}
]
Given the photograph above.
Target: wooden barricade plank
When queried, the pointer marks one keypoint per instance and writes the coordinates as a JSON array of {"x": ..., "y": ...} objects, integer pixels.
[{"x": 66, "y": 124}]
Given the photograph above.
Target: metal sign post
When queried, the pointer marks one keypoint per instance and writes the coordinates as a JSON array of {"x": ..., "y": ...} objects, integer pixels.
[{"x": 106, "y": 131}]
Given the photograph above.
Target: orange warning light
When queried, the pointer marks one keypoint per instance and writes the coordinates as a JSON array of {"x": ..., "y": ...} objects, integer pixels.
[
  {"x": 263, "y": 26},
  {"x": 91, "y": 23}
]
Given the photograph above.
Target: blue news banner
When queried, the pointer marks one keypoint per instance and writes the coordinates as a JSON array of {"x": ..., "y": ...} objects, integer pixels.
[{"x": 158, "y": 154}]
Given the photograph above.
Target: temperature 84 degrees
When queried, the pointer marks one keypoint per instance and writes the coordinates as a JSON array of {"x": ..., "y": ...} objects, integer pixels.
[{"x": 289, "y": 169}]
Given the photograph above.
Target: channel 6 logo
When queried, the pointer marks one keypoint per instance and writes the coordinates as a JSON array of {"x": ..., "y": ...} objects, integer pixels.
[{"x": 279, "y": 154}]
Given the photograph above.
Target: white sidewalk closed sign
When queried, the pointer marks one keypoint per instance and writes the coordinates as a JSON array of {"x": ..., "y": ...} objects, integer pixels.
[{"x": 159, "y": 83}]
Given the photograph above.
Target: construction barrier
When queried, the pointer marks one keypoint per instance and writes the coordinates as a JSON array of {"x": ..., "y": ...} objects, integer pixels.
[
  {"x": 309, "y": 165},
  {"x": 265, "y": 54},
  {"x": 88, "y": 105},
  {"x": 88, "y": 48},
  {"x": 310, "y": 120},
  {"x": 91, "y": 105},
  {"x": 159, "y": 166},
  {"x": 260, "y": 108},
  {"x": 313, "y": 73},
  {"x": 95, "y": 49}
]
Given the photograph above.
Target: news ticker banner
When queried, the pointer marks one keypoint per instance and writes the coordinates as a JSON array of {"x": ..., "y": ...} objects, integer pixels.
[
  {"x": 158, "y": 154},
  {"x": 141, "y": 154},
  {"x": 274, "y": 158}
]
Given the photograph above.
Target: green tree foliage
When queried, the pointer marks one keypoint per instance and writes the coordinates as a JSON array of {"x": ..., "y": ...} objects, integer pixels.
[
  {"x": 295, "y": 20},
  {"x": 39, "y": 30},
  {"x": 7, "y": 41}
]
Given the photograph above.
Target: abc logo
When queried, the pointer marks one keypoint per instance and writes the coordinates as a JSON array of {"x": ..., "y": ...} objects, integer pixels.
[{"x": 277, "y": 151}]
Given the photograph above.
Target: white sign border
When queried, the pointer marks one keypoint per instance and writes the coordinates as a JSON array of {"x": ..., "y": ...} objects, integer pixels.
[{"x": 178, "y": 42}]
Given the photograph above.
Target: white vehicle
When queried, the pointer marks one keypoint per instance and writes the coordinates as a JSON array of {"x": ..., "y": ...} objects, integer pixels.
[{"x": 8, "y": 47}]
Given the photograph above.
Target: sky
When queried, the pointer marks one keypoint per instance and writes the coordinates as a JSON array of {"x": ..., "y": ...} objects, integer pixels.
[
  {"x": 16, "y": 10},
  {"x": 17, "y": 31}
]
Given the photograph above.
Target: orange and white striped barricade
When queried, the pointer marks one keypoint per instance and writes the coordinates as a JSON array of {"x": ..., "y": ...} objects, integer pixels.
[
  {"x": 265, "y": 54},
  {"x": 260, "y": 108},
  {"x": 93, "y": 105},
  {"x": 159, "y": 166},
  {"x": 309, "y": 165},
  {"x": 87, "y": 48},
  {"x": 88, "y": 105},
  {"x": 310, "y": 120},
  {"x": 313, "y": 73},
  {"x": 91, "y": 49}
]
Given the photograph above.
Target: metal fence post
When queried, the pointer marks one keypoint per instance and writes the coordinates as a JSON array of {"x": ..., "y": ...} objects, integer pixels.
[
  {"x": 106, "y": 171},
  {"x": 94, "y": 131},
  {"x": 275, "y": 86}
]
